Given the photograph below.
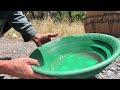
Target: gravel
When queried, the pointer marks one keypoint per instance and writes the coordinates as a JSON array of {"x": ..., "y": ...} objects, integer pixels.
[{"x": 15, "y": 48}]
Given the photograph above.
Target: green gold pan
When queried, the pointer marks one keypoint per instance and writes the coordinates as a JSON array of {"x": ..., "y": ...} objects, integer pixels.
[{"x": 77, "y": 56}]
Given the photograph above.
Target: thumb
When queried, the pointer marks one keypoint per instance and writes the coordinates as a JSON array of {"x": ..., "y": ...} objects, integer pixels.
[
  {"x": 38, "y": 43},
  {"x": 52, "y": 34},
  {"x": 33, "y": 61}
]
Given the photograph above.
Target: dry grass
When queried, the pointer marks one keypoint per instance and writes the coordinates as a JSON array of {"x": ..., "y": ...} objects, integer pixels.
[{"x": 64, "y": 28}]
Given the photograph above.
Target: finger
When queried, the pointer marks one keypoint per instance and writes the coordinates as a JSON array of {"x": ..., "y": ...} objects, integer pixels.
[
  {"x": 52, "y": 34},
  {"x": 33, "y": 61},
  {"x": 40, "y": 76}
]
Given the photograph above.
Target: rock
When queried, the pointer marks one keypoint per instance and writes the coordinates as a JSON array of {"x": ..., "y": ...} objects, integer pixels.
[{"x": 110, "y": 74}]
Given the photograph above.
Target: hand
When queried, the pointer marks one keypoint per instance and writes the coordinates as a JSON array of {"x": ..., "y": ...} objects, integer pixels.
[
  {"x": 42, "y": 39},
  {"x": 21, "y": 67}
]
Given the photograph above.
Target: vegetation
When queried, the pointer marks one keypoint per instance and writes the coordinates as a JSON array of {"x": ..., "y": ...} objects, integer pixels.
[
  {"x": 63, "y": 22},
  {"x": 56, "y": 15}
]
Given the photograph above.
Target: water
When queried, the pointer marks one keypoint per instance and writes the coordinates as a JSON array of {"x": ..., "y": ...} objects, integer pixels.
[{"x": 75, "y": 61}]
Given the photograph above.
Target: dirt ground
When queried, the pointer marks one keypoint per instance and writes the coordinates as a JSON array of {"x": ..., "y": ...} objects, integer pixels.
[{"x": 14, "y": 48}]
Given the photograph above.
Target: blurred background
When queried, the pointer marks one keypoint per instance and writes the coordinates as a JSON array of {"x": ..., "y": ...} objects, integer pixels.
[{"x": 64, "y": 22}]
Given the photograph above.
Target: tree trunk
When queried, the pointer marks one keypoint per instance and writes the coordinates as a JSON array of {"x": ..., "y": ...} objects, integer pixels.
[
  {"x": 70, "y": 16},
  {"x": 60, "y": 14}
]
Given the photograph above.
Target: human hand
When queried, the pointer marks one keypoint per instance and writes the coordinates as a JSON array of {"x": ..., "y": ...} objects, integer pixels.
[
  {"x": 42, "y": 39},
  {"x": 21, "y": 67}
]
